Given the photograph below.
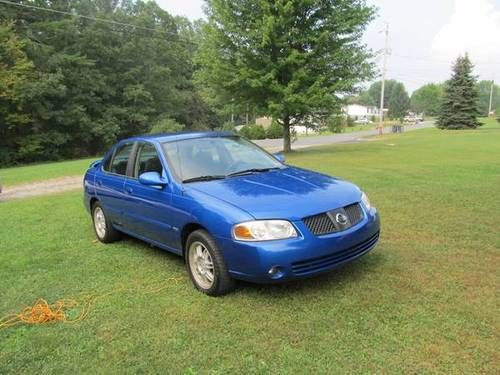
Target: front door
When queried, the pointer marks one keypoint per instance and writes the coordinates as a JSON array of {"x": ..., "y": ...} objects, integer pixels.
[{"x": 148, "y": 210}]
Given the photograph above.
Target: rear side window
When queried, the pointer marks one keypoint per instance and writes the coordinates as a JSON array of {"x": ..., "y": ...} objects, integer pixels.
[
  {"x": 147, "y": 160},
  {"x": 120, "y": 159},
  {"x": 107, "y": 163}
]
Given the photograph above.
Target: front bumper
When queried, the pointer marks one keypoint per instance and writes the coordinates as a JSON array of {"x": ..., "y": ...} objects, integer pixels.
[{"x": 304, "y": 256}]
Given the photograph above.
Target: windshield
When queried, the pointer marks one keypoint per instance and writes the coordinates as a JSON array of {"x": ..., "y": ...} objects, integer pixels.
[{"x": 202, "y": 159}]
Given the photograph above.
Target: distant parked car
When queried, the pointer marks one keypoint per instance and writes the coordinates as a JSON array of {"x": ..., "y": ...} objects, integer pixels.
[
  {"x": 413, "y": 118},
  {"x": 363, "y": 121},
  {"x": 232, "y": 210}
]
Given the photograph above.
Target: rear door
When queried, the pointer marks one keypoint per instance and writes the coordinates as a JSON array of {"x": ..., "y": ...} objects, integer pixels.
[
  {"x": 149, "y": 209},
  {"x": 110, "y": 181}
]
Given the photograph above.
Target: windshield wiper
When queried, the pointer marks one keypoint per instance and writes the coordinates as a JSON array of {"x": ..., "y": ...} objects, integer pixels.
[
  {"x": 251, "y": 171},
  {"x": 204, "y": 178}
]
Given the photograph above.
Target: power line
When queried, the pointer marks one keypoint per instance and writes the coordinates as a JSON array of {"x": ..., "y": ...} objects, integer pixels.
[
  {"x": 441, "y": 61},
  {"x": 96, "y": 19}
]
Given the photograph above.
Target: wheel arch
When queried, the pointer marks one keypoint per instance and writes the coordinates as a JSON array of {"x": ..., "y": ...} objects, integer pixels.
[
  {"x": 186, "y": 231},
  {"x": 92, "y": 202}
]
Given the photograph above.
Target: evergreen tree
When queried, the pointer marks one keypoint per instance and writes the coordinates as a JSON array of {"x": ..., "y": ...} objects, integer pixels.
[{"x": 459, "y": 108}]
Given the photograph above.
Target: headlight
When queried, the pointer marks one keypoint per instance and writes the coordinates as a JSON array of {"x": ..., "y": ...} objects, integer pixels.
[
  {"x": 366, "y": 201},
  {"x": 264, "y": 230}
]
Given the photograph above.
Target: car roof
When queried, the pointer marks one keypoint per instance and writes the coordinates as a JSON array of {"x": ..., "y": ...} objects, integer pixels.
[{"x": 170, "y": 137}]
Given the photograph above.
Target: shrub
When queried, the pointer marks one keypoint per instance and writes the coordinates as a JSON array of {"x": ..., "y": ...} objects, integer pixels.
[
  {"x": 227, "y": 127},
  {"x": 253, "y": 132},
  {"x": 166, "y": 125},
  {"x": 335, "y": 123},
  {"x": 350, "y": 122},
  {"x": 275, "y": 131}
]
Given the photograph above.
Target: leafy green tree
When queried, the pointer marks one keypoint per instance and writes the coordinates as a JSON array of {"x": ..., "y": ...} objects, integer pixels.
[
  {"x": 399, "y": 102},
  {"x": 363, "y": 98},
  {"x": 92, "y": 83},
  {"x": 427, "y": 99},
  {"x": 166, "y": 125},
  {"x": 374, "y": 92},
  {"x": 287, "y": 59},
  {"x": 459, "y": 108},
  {"x": 484, "y": 90},
  {"x": 16, "y": 70}
]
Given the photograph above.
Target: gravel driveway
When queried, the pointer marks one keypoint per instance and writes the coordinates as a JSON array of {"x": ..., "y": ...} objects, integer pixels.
[{"x": 61, "y": 184}]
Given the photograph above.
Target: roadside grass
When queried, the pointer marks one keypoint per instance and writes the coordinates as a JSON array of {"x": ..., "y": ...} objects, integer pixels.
[
  {"x": 44, "y": 171},
  {"x": 489, "y": 122},
  {"x": 424, "y": 301}
]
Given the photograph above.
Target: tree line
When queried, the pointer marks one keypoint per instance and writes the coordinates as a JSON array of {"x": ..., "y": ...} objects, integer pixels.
[
  {"x": 77, "y": 75},
  {"x": 426, "y": 99},
  {"x": 71, "y": 86}
]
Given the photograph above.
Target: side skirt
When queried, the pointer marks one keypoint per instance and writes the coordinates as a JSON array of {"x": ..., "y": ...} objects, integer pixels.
[{"x": 149, "y": 241}]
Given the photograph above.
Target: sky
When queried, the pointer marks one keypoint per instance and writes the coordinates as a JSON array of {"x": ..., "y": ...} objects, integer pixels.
[{"x": 425, "y": 36}]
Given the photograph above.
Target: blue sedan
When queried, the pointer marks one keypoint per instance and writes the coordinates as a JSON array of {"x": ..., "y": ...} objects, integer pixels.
[{"x": 232, "y": 210}]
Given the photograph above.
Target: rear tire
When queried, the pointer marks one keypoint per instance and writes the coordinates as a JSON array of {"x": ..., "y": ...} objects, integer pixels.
[
  {"x": 205, "y": 265},
  {"x": 104, "y": 230}
]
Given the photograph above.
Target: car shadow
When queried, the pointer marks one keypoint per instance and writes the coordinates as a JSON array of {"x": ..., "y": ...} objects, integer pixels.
[
  {"x": 153, "y": 250},
  {"x": 338, "y": 278}
]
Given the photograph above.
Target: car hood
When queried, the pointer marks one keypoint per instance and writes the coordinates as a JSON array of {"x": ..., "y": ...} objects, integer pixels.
[{"x": 291, "y": 193}]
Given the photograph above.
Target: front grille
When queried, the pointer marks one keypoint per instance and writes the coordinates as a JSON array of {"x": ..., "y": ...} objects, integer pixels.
[
  {"x": 317, "y": 264},
  {"x": 325, "y": 223},
  {"x": 354, "y": 213},
  {"x": 320, "y": 224}
]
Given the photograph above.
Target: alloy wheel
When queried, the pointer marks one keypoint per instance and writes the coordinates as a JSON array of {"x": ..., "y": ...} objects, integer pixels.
[{"x": 201, "y": 265}]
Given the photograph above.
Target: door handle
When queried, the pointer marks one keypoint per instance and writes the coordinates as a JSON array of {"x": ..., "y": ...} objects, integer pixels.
[
  {"x": 129, "y": 190},
  {"x": 99, "y": 182}
]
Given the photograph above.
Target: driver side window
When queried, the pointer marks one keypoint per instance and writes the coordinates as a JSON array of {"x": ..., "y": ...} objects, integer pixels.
[{"x": 147, "y": 160}]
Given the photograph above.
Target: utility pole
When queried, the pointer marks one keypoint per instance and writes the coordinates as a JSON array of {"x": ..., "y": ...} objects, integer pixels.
[
  {"x": 491, "y": 97},
  {"x": 384, "y": 72}
]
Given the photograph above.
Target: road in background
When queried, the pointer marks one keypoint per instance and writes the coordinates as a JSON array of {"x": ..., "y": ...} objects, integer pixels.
[{"x": 275, "y": 145}]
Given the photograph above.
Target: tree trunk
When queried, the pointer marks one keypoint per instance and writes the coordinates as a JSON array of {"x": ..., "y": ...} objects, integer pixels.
[{"x": 287, "y": 142}]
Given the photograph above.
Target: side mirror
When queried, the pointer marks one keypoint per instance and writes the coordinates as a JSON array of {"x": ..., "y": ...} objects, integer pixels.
[
  {"x": 280, "y": 157},
  {"x": 152, "y": 179}
]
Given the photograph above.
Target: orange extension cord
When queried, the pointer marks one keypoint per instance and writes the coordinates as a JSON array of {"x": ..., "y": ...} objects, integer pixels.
[{"x": 43, "y": 312}]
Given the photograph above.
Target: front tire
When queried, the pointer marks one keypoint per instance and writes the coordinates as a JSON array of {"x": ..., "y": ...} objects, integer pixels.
[
  {"x": 103, "y": 228},
  {"x": 205, "y": 265}
]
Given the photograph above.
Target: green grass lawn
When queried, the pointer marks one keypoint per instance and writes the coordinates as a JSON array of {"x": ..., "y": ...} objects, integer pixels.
[
  {"x": 489, "y": 123},
  {"x": 45, "y": 171},
  {"x": 424, "y": 301}
]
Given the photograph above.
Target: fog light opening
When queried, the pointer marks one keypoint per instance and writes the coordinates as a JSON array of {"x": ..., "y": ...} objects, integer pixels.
[{"x": 275, "y": 272}]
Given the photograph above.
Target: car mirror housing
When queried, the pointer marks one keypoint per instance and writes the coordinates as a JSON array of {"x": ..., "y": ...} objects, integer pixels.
[
  {"x": 280, "y": 157},
  {"x": 152, "y": 179}
]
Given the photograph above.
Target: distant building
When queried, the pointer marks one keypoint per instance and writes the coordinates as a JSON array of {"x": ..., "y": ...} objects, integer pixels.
[
  {"x": 357, "y": 111},
  {"x": 265, "y": 122},
  {"x": 301, "y": 130}
]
